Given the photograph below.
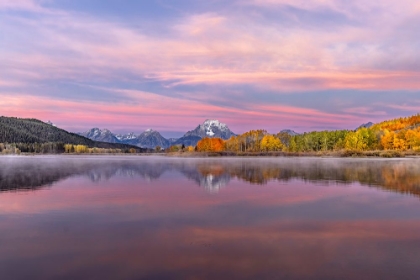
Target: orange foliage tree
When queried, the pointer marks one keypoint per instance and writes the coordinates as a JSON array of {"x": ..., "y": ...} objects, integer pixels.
[{"x": 210, "y": 145}]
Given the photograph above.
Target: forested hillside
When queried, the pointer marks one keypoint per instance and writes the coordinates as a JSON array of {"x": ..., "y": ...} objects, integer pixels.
[
  {"x": 408, "y": 123},
  {"x": 14, "y": 130},
  {"x": 33, "y": 135}
]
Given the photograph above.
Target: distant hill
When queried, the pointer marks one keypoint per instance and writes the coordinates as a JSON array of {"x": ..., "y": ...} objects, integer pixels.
[
  {"x": 290, "y": 132},
  {"x": 16, "y": 130},
  {"x": 365, "y": 125}
]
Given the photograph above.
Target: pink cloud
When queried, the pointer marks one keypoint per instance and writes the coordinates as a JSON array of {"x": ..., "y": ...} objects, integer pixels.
[
  {"x": 151, "y": 110},
  {"x": 405, "y": 107},
  {"x": 202, "y": 51},
  {"x": 210, "y": 49},
  {"x": 364, "y": 111}
]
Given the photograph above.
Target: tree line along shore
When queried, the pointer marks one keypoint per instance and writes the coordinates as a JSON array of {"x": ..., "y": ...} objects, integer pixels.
[
  {"x": 59, "y": 148},
  {"x": 392, "y": 138}
]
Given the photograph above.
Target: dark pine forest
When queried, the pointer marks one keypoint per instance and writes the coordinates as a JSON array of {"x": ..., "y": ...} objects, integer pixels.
[{"x": 35, "y": 136}]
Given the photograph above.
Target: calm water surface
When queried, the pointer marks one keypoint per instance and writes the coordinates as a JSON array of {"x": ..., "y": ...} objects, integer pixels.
[{"x": 167, "y": 218}]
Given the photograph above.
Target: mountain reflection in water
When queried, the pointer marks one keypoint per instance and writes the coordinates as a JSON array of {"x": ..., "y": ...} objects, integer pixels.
[
  {"x": 141, "y": 217},
  {"x": 31, "y": 173}
]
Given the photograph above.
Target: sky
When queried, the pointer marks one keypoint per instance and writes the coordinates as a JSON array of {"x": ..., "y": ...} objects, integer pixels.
[{"x": 171, "y": 64}]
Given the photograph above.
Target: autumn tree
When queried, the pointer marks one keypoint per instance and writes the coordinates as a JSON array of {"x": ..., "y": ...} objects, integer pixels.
[
  {"x": 284, "y": 138},
  {"x": 81, "y": 149},
  {"x": 68, "y": 148},
  {"x": 210, "y": 145},
  {"x": 270, "y": 143},
  {"x": 360, "y": 140},
  {"x": 412, "y": 139},
  {"x": 387, "y": 140}
]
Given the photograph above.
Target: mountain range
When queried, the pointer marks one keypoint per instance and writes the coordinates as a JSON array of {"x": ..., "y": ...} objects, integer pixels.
[
  {"x": 101, "y": 135},
  {"x": 151, "y": 138}
]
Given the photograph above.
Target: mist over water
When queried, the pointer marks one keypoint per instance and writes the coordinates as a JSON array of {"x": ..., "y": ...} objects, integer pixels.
[{"x": 110, "y": 217}]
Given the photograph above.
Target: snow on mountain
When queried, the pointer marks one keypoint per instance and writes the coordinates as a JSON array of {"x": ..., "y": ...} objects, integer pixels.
[
  {"x": 172, "y": 140},
  {"x": 101, "y": 135},
  {"x": 50, "y": 123},
  {"x": 148, "y": 139},
  {"x": 151, "y": 139},
  {"x": 211, "y": 128},
  {"x": 213, "y": 183},
  {"x": 126, "y": 137}
]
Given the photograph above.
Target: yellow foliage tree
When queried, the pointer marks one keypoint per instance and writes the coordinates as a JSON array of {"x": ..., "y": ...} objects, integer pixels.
[
  {"x": 68, "y": 148},
  {"x": 399, "y": 144},
  {"x": 81, "y": 149},
  {"x": 387, "y": 140},
  {"x": 269, "y": 143},
  {"x": 360, "y": 140},
  {"x": 412, "y": 139}
]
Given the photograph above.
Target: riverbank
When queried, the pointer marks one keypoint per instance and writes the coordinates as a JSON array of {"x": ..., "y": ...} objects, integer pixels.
[
  {"x": 181, "y": 154},
  {"x": 334, "y": 154}
]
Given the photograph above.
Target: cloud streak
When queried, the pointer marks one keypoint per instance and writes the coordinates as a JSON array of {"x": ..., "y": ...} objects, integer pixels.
[{"x": 199, "y": 56}]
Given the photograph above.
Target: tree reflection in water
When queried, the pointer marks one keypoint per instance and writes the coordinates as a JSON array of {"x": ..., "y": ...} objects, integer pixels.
[{"x": 31, "y": 173}]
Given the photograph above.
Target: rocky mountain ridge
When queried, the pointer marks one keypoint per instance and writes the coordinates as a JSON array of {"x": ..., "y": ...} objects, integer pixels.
[
  {"x": 150, "y": 138},
  {"x": 101, "y": 135},
  {"x": 211, "y": 128}
]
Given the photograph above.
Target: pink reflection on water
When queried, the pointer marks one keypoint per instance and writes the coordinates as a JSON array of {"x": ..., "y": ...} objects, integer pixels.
[{"x": 172, "y": 228}]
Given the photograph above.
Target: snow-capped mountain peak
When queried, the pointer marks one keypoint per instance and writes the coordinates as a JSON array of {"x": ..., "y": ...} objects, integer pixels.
[
  {"x": 211, "y": 128},
  {"x": 209, "y": 123},
  {"x": 103, "y": 135},
  {"x": 151, "y": 138},
  {"x": 208, "y": 126},
  {"x": 94, "y": 132}
]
